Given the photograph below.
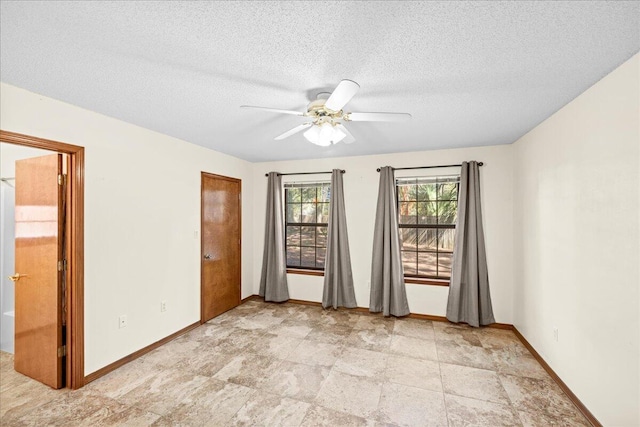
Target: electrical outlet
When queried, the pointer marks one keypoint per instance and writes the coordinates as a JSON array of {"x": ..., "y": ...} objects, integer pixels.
[
  {"x": 163, "y": 306},
  {"x": 122, "y": 321},
  {"x": 195, "y": 234},
  {"x": 555, "y": 334},
  {"x": 368, "y": 285}
]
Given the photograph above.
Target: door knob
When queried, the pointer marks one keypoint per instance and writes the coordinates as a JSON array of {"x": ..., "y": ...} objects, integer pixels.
[
  {"x": 16, "y": 277},
  {"x": 207, "y": 256}
]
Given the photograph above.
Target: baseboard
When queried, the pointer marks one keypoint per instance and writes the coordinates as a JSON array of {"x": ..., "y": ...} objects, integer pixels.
[
  {"x": 250, "y": 298},
  {"x": 118, "y": 363},
  {"x": 583, "y": 409},
  {"x": 366, "y": 310},
  {"x": 435, "y": 318},
  {"x": 507, "y": 326}
]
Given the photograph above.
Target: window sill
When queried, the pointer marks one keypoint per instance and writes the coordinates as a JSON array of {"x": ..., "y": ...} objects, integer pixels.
[
  {"x": 433, "y": 282},
  {"x": 305, "y": 272}
]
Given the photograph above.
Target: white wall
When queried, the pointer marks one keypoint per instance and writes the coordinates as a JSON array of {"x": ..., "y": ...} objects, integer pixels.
[
  {"x": 142, "y": 208},
  {"x": 8, "y": 155},
  {"x": 577, "y": 244},
  {"x": 361, "y": 192}
]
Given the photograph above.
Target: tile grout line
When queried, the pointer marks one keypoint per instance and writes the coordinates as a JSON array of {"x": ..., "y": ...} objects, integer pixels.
[
  {"x": 253, "y": 392},
  {"x": 444, "y": 396},
  {"x": 386, "y": 366},
  {"x": 498, "y": 375},
  {"x": 511, "y": 403}
]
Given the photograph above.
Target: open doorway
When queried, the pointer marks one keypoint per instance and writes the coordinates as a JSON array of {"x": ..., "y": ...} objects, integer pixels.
[
  {"x": 71, "y": 344},
  {"x": 9, "y": 154}
]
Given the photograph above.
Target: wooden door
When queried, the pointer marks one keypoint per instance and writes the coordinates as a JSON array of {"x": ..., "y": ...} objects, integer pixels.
[
  {"x": 38, "y": 292},
  {"x": 220, "y": 257}
]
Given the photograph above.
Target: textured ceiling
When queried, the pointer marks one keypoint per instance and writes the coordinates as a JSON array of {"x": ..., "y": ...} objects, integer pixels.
[{"x": 470, "y": 73}]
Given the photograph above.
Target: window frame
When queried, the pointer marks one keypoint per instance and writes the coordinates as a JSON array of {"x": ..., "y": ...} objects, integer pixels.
[
  {"x": 418, "y": 278},
  {"x": 299, "y": 269}
]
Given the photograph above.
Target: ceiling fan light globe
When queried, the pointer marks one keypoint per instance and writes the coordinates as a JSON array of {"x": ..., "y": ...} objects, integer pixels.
[
  {"x": 326, "y": 132},
  {"x": 323, "y": 142},
  {"x": 338, "y": 135},
  {"x": 312, "y": 134}
]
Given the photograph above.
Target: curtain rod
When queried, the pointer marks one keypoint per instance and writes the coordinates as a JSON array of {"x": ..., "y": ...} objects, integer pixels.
[
  {"x": 304, "y": 173},
  {"x": 429, "y": 167}
]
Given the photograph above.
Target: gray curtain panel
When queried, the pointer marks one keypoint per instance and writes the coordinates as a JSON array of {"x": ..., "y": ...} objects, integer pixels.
[
  {"x": 469, "y": 297},
  {"x": 273, "y": 282},
  {"x": 338, "y": 280},
  {"x": 388, "y": 293}
]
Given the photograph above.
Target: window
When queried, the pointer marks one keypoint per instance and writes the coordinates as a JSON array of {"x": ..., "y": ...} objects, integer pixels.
[
  {"x": 427, "y": 211},
  {"x": 307, "y": 217}
]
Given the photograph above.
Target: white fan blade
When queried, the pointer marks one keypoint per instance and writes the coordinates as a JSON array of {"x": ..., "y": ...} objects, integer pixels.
[
  {"x": 292, "y": 131},
  {"x": 349, "y": 138},
  {"x": 378, "y": 117},
  {"x": 341, "y": 95},
  {"x": 275, "y": 110}
]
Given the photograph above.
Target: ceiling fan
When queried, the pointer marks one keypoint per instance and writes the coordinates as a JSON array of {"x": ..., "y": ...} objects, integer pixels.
[{"x": 326, "y": 116}]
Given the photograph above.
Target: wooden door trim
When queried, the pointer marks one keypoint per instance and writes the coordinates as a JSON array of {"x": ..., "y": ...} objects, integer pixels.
[
  {"x": 75, "y": 295},
  {"x": 226, "y": 178}
]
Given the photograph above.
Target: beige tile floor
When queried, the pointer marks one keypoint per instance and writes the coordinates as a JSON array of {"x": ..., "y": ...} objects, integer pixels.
[{"x": 294, "y": 365}]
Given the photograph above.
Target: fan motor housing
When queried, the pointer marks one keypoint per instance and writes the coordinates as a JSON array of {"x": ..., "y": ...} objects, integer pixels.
[{"x": 321, "y": 114}]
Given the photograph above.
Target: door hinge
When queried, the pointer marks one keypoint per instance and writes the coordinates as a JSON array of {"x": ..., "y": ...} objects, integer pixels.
[
  {"x": 62, "y": 179},
  {"x": 62, "y": 265},
  {"x": 62, "y": 351}
]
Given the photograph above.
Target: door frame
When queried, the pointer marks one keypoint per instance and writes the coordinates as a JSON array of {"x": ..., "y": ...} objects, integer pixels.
[
  {"x": 226, "y": 178},
  {"x": 75, "y": 271}
]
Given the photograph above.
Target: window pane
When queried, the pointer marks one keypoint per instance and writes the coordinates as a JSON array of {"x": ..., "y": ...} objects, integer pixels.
[
  {"x": 426, "y": 192},
  {"x": 293, "y": 195},
  {"x": 427, "y": 213},
  {"x": 445, "y": 239},
  {"x": 321, "y": 254},
  {"x": 307, "y": 204},
  {"x": 447, "y": 212},
  {"x": 309, "y": 195},
  {"x": 293, "y": 212},
  {"x": 293, "y": 256},
  {"x": 324, "y": 193},
  {"x": 293, "y": 236},
  {"x": 426, "y": 202},
  {"x": 308, "y": 212},
  {"x": 427, "y": 239},
  {"x": 444, "y": 264},
  {"x": 427, "y": 263},
  {"x": 323, "y": 213},
  {"x": 448, "y": 191},
  {"x": 408, "y": 239},
  {"x": 308, "y": 236},
  {"x": 407, "y": 212},
  {"x": 308, "y": 257},
  {"x": 321, "y": 237},
  {"x": 409, "y": 262},
  {"x": 406, "y": 192}
]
